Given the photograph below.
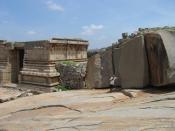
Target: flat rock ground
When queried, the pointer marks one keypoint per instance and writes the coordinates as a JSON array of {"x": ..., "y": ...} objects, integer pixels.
[{"x": 91, "y": 110}]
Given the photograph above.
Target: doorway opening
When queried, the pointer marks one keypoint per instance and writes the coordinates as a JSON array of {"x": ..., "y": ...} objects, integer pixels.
[
  {"x": 17, "y": 58},
  {"x": 20, "y": 58}
]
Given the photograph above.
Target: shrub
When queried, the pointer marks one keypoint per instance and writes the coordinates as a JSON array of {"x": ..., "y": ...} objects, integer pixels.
[
  {"x": 62, "y": 88},
  {"x": 69, "y": 63}
]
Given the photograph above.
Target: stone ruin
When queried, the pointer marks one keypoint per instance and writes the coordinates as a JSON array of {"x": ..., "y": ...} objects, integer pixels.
[
  {"x": 145, "y": 58},
  {"x": 34, "y": 62}
]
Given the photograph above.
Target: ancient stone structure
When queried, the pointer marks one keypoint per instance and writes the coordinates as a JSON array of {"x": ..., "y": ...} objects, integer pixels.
[
  {"x": 5, "y": 66},
  {"x": 34, "y": 62},
  {"x": 10, "y": 63},
  {"x": 144, "y": 58}
]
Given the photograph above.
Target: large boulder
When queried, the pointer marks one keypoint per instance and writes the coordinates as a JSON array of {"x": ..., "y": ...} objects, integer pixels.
[
  {"x": 99, "y": 69},
  {"x": 161, "y": 57},
  {"x": 72, "y": 74},
  {"x": 131, "y": 63}
]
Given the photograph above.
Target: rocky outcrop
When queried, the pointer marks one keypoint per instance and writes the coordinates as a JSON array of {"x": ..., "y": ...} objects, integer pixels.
[
  {"x": 72, "y": 74},
  {"x": 90, "y": 110},
  {"x": 143, "y": 58},
  {"x": 128, "y": 59}
]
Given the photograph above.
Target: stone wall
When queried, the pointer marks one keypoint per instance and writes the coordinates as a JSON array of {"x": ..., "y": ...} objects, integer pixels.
[{"x": 5, "y": 66}]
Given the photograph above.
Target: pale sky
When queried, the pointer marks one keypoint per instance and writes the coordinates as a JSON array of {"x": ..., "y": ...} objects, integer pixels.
[{"x": 99, "y": 21}]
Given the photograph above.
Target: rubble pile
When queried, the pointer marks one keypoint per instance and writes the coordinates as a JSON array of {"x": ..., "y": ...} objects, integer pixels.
[{"x": 72, "y": 74}]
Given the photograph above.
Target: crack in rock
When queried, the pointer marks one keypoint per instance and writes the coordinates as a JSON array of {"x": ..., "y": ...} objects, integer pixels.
[
  {"x": 73, "y": 119},
  {"x": 43, "y": 107},
  {"x": 72, "y": 127},
  {"x": 105, "y": 97},
  {"x": 76, "y": 127},
  {"x": 165, "y": 99},
  {"x": 94, "y": 111},
  {"x": 48, "y": 106},
  {"x": 158, "y": 107}
]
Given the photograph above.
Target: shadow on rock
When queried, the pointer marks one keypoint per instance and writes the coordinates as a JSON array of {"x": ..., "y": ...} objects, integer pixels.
[{"x": 160, "y": 90}]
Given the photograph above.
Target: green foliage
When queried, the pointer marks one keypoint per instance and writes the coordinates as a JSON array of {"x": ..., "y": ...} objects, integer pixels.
[
  {"x": 69, "y": 63},
  {"x": 62, "y": 88}
]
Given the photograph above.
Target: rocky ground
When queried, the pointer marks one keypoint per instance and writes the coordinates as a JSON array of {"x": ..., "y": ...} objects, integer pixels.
[{"x": 88, "y": 110}]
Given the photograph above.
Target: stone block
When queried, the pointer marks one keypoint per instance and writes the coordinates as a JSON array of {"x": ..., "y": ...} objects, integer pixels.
[
  {"x": 99, "y": 70},
  {"x": 161, "y": 57},
  {"x": 131, "y": 63}
]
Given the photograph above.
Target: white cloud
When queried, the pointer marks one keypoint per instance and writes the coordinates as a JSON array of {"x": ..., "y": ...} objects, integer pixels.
[
  {"x": 31, "y": 32},
  {"x": 54, "y": 6},
  {"x": 91, "y": 29}
]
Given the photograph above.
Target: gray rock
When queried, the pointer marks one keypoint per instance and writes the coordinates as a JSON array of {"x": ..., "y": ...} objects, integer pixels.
[
  {"x": 131, "y": 63},
  {"x": 161, "y": 57},
  {"x": 72, "y": 75},
  {"x": 90, "y": 110},
  {"x": 99, "y": 69}
]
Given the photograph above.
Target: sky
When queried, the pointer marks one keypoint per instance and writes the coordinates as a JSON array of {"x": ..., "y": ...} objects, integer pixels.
[{"x": 99, "y": 21}]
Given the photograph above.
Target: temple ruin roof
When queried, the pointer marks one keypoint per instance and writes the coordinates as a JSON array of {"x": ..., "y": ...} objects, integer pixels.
[{"x": 70, "y": 41}]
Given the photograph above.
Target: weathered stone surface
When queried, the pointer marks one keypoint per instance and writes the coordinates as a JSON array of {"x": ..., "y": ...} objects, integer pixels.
[
  {"x": 72, "y": 74},
  {"x": 89, "y": 110},
  {"x": 161, "y": 57},
  {"x": 6, "y": 62},
  {"x": 93, "y": 77},
  {"x": 138, "y": 66},
  {"x": 168, "y": 38},
  {"x": 131, "y": 63},
  {"x": 106, "y": 67},
  {"x": 99, "y": 69},
  {"x": 8, "y": 94}
]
